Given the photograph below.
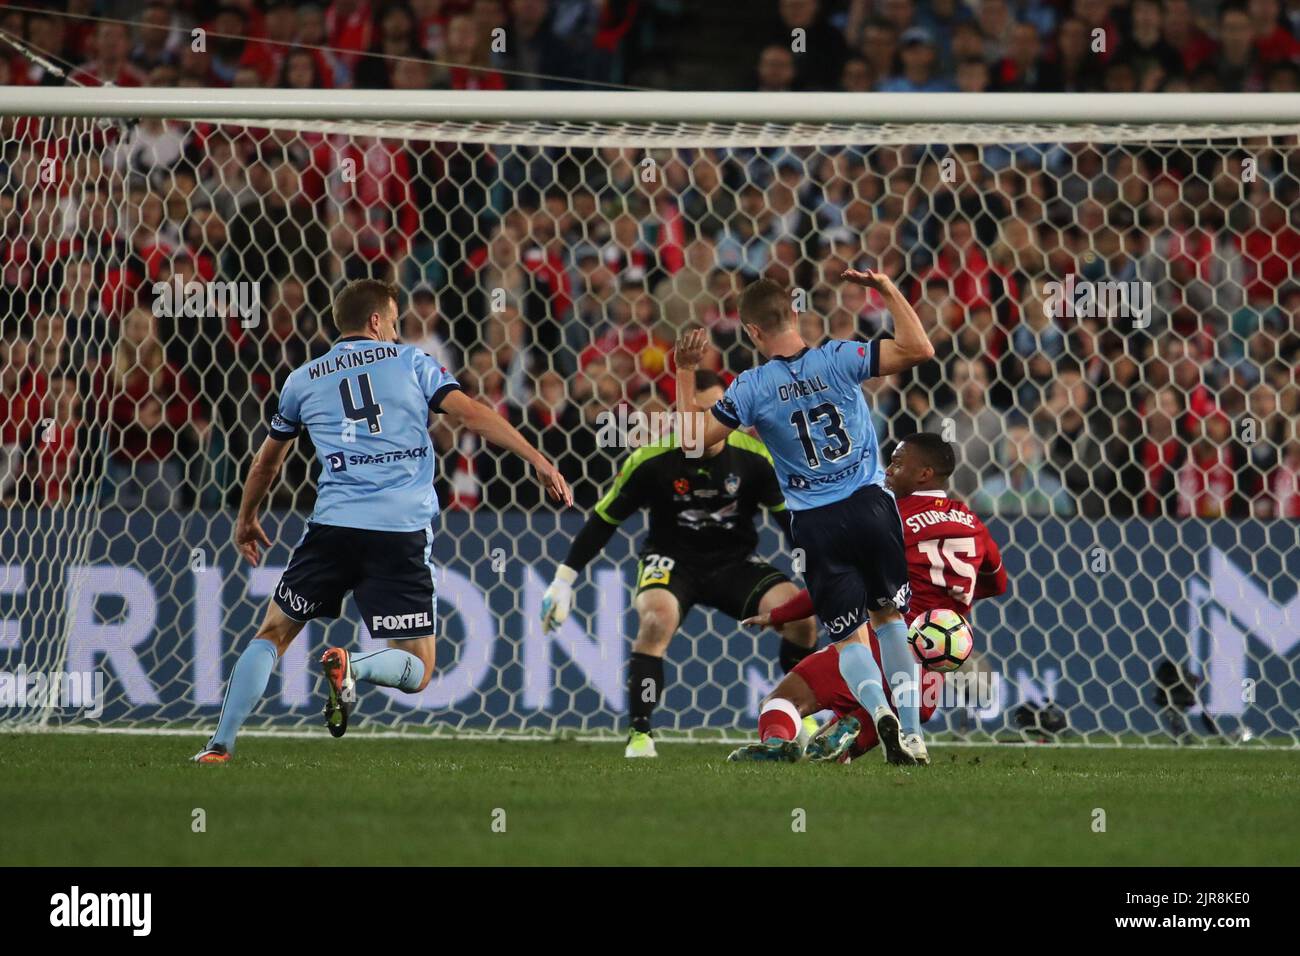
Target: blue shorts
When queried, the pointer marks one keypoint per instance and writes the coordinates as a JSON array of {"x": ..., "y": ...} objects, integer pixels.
[
  {"x": 854, "y": 561},
  {"x": 390, "y": 574}
]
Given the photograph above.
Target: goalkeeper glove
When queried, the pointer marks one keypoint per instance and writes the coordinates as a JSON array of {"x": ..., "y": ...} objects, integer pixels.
[{"x": 558, "y": 599}]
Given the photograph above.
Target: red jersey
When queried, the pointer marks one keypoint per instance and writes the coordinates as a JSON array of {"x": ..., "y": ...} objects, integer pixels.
[{"x": 951, "y": 559}]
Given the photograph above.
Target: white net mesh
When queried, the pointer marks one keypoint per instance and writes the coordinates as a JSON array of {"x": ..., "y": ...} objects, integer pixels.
[{"x": 1137, "y": 457}]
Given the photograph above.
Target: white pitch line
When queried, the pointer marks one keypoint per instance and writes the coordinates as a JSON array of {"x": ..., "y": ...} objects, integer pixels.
[{"x": 607, "y": 739}]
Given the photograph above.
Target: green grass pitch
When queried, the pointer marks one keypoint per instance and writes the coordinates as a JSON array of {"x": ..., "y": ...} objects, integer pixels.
[{"x": 90, "y": 799}]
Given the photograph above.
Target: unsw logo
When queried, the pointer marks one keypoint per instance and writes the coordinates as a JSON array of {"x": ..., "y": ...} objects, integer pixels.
[
  {"x": 844, "y": 622},
  {"x": 295, "y": 602}
]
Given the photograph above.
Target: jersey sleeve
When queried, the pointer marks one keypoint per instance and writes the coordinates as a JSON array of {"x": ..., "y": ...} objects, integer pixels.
[
  {"x": 857, "y": 360},
  {"x": 735, "y": 408},
  {"x": 991, "y": 579},
  {"x": 286, "y": 420},
  {"x": 627, "y": 494},
  {"x": 435, "y": 381}
]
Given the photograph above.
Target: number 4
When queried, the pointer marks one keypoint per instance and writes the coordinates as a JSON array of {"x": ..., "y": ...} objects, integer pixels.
[{"x": 369, "y": 411}]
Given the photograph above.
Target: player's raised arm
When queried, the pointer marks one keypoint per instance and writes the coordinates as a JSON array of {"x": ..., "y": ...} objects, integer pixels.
[
  {"x": 483, "y": 421},
  {"x": 626, "y": 496},
  {"x": 910, "y": 346},
  {"x": 262, "y": 474},
  {"x": 698, "y": 429}
]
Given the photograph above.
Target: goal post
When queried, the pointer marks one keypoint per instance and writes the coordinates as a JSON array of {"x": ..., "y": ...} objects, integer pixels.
[{"x": 1110, "y": 281}]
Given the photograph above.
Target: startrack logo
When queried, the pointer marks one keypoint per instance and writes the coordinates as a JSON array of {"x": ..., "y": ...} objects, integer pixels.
[
  {"x": 76, "y": 909},
  {"x": 385, "y": 457},
  {"x": 803, "y": 481}
]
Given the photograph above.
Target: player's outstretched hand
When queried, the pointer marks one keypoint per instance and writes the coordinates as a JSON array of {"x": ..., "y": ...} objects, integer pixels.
[
  {"x": 558, "y": 599},
  {"x": 248, "y": 535},
  {"x": 554, "y": 483},
  {"x": 758, "y": 620},
  {"x": 869, "y": 279},
  {"x": 689, "y": 350}
]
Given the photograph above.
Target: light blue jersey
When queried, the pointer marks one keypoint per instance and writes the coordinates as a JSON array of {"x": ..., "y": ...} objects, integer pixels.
[
  {"x": 810, "y": 413},
  {"x": 366, "y": 406}
]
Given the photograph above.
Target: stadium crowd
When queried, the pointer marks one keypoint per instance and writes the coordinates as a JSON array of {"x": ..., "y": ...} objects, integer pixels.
[{"x": 555, "y": 280}]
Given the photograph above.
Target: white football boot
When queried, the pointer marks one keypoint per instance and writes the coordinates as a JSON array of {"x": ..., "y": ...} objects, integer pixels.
[
  {"x": 889, "y": 731},
  {"x": 914, "y": 744}
]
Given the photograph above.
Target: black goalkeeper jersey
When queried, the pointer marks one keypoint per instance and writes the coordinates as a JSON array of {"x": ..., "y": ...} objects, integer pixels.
[{"x": 701, "y": 509}]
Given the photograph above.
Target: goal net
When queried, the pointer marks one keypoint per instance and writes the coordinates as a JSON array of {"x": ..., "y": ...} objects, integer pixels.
[{"x": 1112, "y": 297}]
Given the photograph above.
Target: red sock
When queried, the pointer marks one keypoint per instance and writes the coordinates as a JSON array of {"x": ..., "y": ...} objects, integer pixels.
[{"x": 778, "y": 721}]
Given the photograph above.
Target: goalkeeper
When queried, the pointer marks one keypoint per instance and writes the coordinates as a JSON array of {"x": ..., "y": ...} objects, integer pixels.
[{"x": 699, "y": 550}]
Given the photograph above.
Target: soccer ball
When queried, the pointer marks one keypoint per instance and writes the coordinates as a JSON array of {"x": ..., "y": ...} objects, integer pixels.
[{"x": 941, "y": 640}]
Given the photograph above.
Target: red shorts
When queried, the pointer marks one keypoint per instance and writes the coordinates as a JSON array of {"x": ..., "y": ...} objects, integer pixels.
[{"x": 821, "y": 672}]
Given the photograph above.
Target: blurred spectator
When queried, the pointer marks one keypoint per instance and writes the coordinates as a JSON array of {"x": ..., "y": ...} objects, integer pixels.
[
  {"x": 1238, "y": 65},
  {"x": 1283, "y": 496},
  {"x": 110, "y": 61},
  {"x": 422, "y": 326},
  {"x": 1207, "y": 479},
  {"x": 819, "y": 59},
  {"x": 1025, "y": 486},
  {"x": 919, "y": 65},
  {"x": 152, "y": 410},
  {"x": 533, "y": 54},
  {"x": 468, "y": 50},
  {"x": 776, "y": 70},
  {"x": 970, "y": 422}
]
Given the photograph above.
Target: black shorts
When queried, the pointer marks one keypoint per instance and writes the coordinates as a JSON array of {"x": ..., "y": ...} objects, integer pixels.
[
  {"x": 854, "y": 558},
  {"x": 389, "y": 572},
  {"x": 732, "y": 587}
]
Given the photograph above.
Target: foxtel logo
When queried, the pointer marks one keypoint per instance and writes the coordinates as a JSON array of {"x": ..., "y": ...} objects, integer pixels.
[
  {"x": 103, "y": 909},
  {"x": 400, "y": 622}
]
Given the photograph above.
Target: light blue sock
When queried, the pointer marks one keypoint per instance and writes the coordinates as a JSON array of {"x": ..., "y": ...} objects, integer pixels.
[
  {"x": 247, "y": 685},
  {"x": 903, "y": 673},
  {"x": 389, "y": 668},
  {"x": 859, "y": 670}
]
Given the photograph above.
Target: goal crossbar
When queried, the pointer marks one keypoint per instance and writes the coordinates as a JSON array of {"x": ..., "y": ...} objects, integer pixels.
[{"x": 698, "y": 118}]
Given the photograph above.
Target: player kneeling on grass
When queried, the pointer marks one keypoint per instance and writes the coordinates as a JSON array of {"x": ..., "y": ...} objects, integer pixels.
[
  {"x": 951, "y": 560},
  {"x": 365, "y": 405},
  {"x": 699, "y": 550}
]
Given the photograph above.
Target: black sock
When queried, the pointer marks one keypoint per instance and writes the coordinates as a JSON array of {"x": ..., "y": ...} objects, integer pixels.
[
  {"x": 791, "y": 654},
  {"x": 645, "y": 686}
]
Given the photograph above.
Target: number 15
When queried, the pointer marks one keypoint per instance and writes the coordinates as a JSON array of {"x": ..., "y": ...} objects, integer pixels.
[{"x": 947, "y": 555}]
